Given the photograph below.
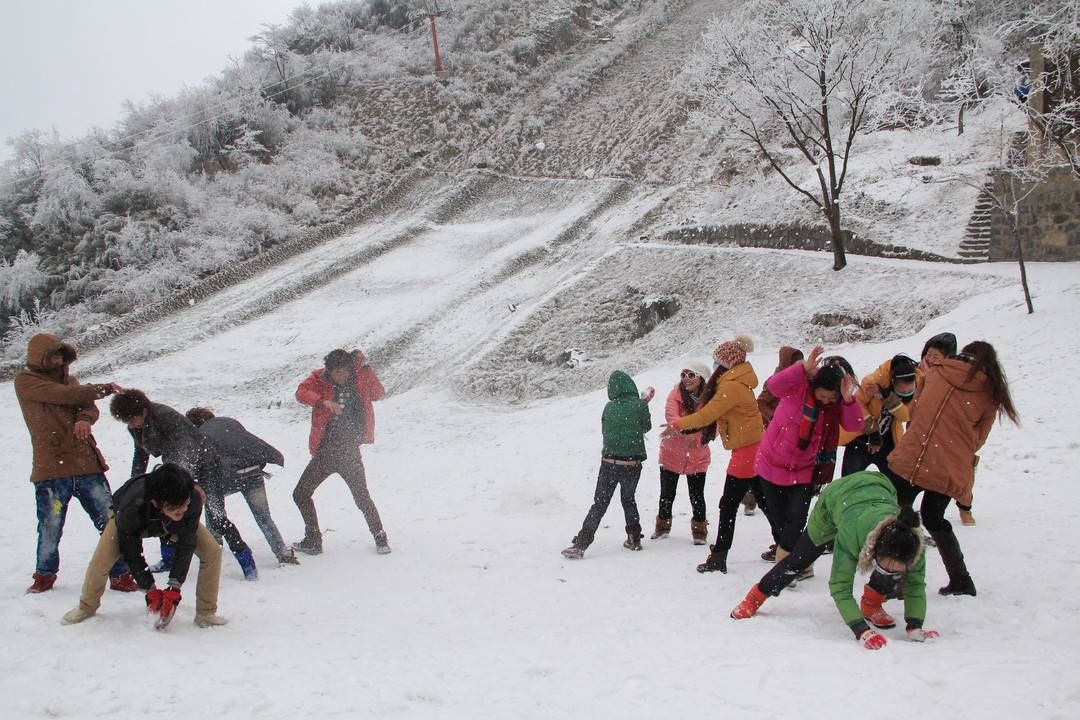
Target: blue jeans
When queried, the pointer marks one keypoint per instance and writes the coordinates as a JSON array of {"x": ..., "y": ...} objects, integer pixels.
[{"x": 52, "y": 498}]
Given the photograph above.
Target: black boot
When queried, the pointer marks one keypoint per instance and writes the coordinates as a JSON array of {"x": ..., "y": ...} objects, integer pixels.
[
  {"x": 633, "y": 537},
  {"x": 717, "y": 560},
  {"x": 952, "y": 556},
  {"x": 580, "y": 543}
]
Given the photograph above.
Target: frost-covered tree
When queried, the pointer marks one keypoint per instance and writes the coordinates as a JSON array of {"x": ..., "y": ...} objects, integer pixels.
[{"x": 798, "y": 80}]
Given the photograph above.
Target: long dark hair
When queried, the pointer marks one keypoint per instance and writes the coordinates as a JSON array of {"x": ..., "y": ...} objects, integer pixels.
[
  {"x": 983, "y": 358},
  {"x": 708, "y": 434},
  {"x": 689, "y": 402}
]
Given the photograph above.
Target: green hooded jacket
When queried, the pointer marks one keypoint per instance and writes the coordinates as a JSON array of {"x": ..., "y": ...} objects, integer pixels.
[
  {"x": 847, "y": 511},
  {"x": 626, "y": 419}
]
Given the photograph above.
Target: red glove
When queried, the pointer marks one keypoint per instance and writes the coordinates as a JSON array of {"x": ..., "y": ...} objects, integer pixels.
[
  {"x": 920, "y": 635},
  {"x": 872, "y": 640},
  {"x": 153, "y": 600},
  {"x": 170, "y": 598}
]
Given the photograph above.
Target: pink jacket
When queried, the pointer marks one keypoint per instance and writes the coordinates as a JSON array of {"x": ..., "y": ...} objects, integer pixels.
[
  {"x": 683, "y": 454},
  {"x": 779, "y": 459}
]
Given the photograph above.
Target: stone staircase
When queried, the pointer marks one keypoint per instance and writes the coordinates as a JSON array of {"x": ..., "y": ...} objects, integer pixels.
[{"x": 976, "y": 243}]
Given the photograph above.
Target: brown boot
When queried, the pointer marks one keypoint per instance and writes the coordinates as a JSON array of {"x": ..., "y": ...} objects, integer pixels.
[
  {"x": 663, "y": 528},
  {"x": 699, "y": 530}
]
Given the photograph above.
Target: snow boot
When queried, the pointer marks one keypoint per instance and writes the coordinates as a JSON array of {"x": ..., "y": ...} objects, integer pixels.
[
  {"x": 580, "y": 542},
  {"x": 966, "y": 518},
  {"x": 287, "y": 557},
  {"x": 960, "y": 582},
  {"x": 717, "y": 561},
  {"x": 247, "y": 564},
  {"x": 168, "y": 552},
  {"x": 633, "y": 537},
  {"x": 382, "y": 545},
  {"x": 663, "y": 528},
  {"x": 749, "y": 503},
  {"x": 770, "y": 554},
  {"x": 205, "y": 620},
  {"x": 749, "y": 605},
  {"x": 872, "y": 610},
  {"x": 76, "y": 615},
  {"x": 310, "y": 545},
  {"x": 123, "y": 583},
  {"x": 699, "y": 530},
  {"x": 42, "y": 583}
]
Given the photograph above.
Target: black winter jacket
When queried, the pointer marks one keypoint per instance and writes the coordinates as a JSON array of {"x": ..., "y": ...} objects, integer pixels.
[
  {"x": 172, "y": 437},
  {"x": 243, "y": 455},
  {"x": 136, "y": 519}
]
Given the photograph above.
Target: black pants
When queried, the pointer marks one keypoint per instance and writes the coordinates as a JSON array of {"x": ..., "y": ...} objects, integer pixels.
[
  {"x": 788, "y": 506},
  {"x": 735, "y": 490},
  {"x": 669, "y": 484},
  {"x": 803, "y": 555},
  {"x": 857, "y": 457},
  {"x": 625, "y": 477}
]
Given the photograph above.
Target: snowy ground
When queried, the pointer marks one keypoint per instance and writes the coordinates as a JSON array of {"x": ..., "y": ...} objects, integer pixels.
[{"x": 476, "y": 615}]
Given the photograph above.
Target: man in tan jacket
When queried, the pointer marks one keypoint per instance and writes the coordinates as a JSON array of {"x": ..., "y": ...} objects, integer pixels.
[{"x": 59, "y": 413}]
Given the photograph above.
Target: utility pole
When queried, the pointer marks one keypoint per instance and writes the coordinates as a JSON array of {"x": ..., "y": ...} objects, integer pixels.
[{"x": 433, "y": 13}]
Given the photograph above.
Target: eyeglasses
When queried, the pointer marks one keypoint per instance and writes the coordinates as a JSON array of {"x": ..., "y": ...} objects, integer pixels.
[{"x": 689, "y": 374}]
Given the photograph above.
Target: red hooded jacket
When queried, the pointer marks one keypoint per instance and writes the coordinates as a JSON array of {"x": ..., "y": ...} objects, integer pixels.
[{"x": 315, "y": 389}]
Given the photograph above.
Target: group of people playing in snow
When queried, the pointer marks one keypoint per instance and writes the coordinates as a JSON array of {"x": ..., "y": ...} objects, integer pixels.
[
  {"x": 205, "y": 458},
  {"x": 921, "y": 423}
]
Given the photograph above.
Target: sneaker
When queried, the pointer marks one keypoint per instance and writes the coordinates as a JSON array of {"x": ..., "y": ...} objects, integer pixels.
[
  {"x": 770, "y": 554},
  {"x": 247, "y": 564},
  {"x": 309, "y": 546},
  {"x": 805, "y": 574},
  {"x": 123, "y": 583},
  {"x": 205, "y": 620},
  {"x": 382, "y": 545},
  {"x": 42, "y": 583},
  {"x": 76, "y": 615},
  {"x": 573, "y": 553}
]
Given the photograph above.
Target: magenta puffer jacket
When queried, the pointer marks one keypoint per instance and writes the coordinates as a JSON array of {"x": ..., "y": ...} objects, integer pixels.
[
  {"x": 779, "y": 459},
  {"x": 683, "y": 454}
]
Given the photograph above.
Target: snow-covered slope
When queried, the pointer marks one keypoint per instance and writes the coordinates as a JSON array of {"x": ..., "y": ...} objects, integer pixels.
[{"x": 476, "y": 615}]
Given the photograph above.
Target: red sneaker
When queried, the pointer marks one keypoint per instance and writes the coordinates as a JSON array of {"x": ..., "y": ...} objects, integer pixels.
[
  {"x": 42, "y": 583},
  {"x": 750, "y": 604},
  {"x": 123, "y": 583},
  {"x": 872, "y": 610}
]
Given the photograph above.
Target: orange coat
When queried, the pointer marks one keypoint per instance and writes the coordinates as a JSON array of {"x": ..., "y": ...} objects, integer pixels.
[
  {"x": 872, "y": 405},
  {"x": 733, "y": 408},
  {"x": 950, "y": 420}
]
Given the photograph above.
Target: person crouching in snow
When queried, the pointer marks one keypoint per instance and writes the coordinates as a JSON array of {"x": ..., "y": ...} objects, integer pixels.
[
  {"x": 730, "y": 411},
  {"x": 624, "y": 423},
  {"x": 245, "y": 457},
  {"x": 859, "y": 514},
  {"x": 684, "y": 454},
  {"x": 165, "y": 503},
  {"x": 342, "y": 418}
]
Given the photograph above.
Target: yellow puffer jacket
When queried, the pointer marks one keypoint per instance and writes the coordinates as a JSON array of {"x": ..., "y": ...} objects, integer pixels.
[
  {"x": 733, "y": 408},
  {"x": 872, "y": 405}
]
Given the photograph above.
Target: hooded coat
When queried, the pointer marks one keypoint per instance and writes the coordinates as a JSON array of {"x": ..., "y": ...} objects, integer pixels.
[
  {"x": 733, "y": 408},
  {"x": 779, "y": 458},
  {"x": 950, "y": 420},
  {"x": 243, "y": 455},
  {"x": 626, "y": 419},
  {"x": 683, "y": 454},
  {"x": 52, "y": 401},
  {"x": 848, "y": 512},
  {"x": 317, "y": 387}
]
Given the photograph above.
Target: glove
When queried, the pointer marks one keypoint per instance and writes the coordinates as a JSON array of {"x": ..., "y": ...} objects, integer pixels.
[
  {"x": 153, "y": 600},
  {"x": 917, "y": 634},
  {"x": 170, "y": 598},
  {"x": 872, "y": 640}
]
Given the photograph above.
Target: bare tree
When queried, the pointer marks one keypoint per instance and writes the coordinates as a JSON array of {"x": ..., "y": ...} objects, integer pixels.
[{"x": 802, "y": 77}]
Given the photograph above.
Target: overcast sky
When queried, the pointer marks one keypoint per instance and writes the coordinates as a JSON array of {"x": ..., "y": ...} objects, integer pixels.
[{"x": 70, "y": 64}]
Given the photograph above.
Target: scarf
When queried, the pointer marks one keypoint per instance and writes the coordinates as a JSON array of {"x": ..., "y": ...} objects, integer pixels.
[{"x": 825, "y": 461}]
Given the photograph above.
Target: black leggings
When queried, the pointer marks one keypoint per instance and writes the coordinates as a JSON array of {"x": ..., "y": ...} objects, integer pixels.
[
  {"x": 735, "y": 490},
  {"x": 932, "y": 511},
  {"x": 784, "y": 572},
  {"x": 787, "y": 508},
  {"x": 669, "y": 484}
]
